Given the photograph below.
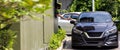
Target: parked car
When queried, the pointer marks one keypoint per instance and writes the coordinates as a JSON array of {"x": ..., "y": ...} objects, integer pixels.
[
  {"x": 94, "y": 29},
  {"x": 65, "y": 24}
]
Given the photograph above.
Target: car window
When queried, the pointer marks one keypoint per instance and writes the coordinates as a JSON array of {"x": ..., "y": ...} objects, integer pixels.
[
  {"x": 75, "y": 16},
  {"x": 87, "y": 19},
  {"x": 67, "y": 15},
  {"x": 97, "y": 17}
]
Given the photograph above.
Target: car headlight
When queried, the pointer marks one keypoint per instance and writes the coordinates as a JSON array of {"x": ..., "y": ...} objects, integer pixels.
[
  {"x": 75, "y": 30},
  {"x": 111, "y": 31}
]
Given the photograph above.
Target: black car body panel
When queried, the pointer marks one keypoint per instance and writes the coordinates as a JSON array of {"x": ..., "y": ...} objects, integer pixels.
[{"x": 91, "y": 31}]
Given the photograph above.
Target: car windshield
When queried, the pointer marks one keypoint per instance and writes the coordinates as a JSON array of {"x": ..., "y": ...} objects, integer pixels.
[{"x": 95, "y": 17}]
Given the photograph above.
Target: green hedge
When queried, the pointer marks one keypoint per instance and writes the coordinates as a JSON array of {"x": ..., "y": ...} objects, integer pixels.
[
  {"x": 56, "y": 39},
  {"x": 7, "y": 39}
]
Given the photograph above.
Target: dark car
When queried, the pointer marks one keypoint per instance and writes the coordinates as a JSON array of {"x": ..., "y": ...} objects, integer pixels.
[{"x": 94, "y": 29}]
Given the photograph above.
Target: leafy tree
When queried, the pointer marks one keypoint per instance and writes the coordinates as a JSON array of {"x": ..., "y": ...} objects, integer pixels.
[
  {"x": 111, "y": 6},
  {"x": 12, "y": 10},
  {"x": 81, "y": 5}
]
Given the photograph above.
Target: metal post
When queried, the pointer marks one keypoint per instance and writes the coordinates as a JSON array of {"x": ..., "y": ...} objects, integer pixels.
[{"x": 93, "y": 5}]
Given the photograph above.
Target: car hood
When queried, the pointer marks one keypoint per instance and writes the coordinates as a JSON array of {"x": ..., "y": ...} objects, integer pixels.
[{"x": 95, "y": 27}]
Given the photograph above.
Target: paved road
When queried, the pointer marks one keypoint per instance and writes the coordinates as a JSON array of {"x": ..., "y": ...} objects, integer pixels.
[{"x": 67, "y": 46}]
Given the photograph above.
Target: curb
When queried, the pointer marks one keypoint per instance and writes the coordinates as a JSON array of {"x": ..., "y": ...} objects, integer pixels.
[{"x": 62, "y": 44}]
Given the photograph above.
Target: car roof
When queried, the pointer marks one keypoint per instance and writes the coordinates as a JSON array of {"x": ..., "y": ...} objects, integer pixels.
[
  {"x": 76, "y": 12},
  {"x": 73, "y": 13},
  {"x": 96, "y": 13},
  {"x": 103, "y": 12}
]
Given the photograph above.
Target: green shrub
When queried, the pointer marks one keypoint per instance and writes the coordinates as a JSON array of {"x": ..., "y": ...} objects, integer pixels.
[
  {"x": 56, "y": 39},
  {"x": 7, "y": 39}
]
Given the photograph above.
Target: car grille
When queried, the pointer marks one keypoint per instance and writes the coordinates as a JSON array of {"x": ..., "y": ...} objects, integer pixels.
[
  {"x": 94, "y": 34},
  {"x": 93, "y": 42}
]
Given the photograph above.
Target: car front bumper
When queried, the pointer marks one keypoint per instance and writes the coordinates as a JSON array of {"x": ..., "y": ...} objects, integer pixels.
[{"x": 83, "y": 41}]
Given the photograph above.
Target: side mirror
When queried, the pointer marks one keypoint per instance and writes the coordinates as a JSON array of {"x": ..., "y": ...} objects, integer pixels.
[
  {"x": 116, "y": 21},
  {"x": 73, "y": 22}
]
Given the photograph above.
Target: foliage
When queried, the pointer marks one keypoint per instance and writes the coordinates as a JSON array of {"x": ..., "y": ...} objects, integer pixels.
[
  {"x": 118, "y": 24},
  {"x": 62, "y": 11},
  {"x": 7, "y": 38},
  {"x": 56, "y": 39},
  {"x": 111, "y": 6},
  {"x": 12, "y": 10},
  {"x": 81, "y": 6}
]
